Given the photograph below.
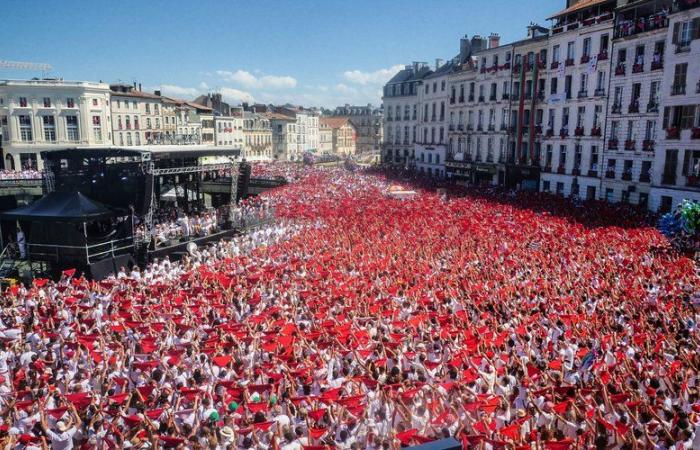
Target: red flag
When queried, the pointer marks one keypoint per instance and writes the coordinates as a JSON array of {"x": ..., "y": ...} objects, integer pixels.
[
  {"x": 559, "y": 445},
  {"x": 406, "y": 436},
  {"x": 561, "y": 408},
  {"x": 316, "y": 433},
  {"x": 511, "y": 431}
]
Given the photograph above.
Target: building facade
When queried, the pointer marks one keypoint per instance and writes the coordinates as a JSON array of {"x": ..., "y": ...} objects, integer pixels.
[
  {"x": 633, "y": 100},
  {"x": 229, "y": 131},
  {"x": 369, "y": 123},
  {"x": 285, "y": 146},
  {"x": 343, "y": 136},
  {"x": 676, "y": 168},
  {"x": 257, "y": 137},
  {"x": 39, "y": 115},
  {"x": 401, "y": 115},
  {"x": 576, "y": 99},
  {"x": 430, "y": 148},
  {"x": 136, "y": 116}
]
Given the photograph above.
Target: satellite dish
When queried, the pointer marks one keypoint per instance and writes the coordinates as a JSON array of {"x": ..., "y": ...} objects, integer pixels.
[{"x": 192, "y": 248}]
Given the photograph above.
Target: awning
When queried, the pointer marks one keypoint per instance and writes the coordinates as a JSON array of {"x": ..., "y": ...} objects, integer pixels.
[{"x": 61, "y": 207}]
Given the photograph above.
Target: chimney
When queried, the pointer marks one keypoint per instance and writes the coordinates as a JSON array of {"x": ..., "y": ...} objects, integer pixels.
[
  {"x": 416, "y": 66},
  {"x": 465, "y": 49},
  {"x": 134, "y": 85},
  {"x": 478, "y": 44},
  {"x": 494, "y": 40},
  {"x": 157, "y": 93},
  {"x": 139, "y": 87},
  {"x": 438, "y": 63}
]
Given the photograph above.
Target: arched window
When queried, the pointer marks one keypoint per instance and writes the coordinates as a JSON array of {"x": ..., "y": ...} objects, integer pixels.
[{"x": 9, "y": 162}]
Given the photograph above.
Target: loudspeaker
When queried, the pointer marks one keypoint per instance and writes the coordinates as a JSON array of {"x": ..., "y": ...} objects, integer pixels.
[
  {"x": 442, "y": 444},
  {"x": 244, "y": 170},
  {"x": 101, "y": 269}
]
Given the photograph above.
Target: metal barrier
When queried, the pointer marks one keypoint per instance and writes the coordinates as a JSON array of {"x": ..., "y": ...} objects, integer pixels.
[{"x": 53, "y": 252}]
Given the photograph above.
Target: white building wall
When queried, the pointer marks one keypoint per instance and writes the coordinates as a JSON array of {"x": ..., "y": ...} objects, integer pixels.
[
  {"x": 24, "y": 101},
  {"x": 430, "y": 149}
]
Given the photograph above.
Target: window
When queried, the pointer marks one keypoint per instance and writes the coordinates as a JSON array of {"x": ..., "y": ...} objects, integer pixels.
[
  {"x": 670, "y": 166},
  {"x": 597, "y": 112},
  {"x": 639, "y": 55},
  {"x": 578, "y": 154},
  {"x": 119, "y": 103},
  {"x": 636, "y": 92},
  {"x": 583, "y": 87},
  {"x": 565, "y": 118},
  {"x": 630, "y": 130},
  {"x": 650, "y": 132},
  {"x": 137, "y": 136},
  {"x": 617, "y": 97},
  {"x": 95, "y": 102},
  {"x": 128, "y": 138},
  {"x": 604, "y": 40},
  {"x": 645, "y": 174},
  {"x": 23, "y": 102},
  {"x": 614, "y": 129},
  {"x": 691, "y": 164},
  {"x": 72, "y": 128},
  {"x": 594, "y": 158},
  {"x": 555, "y": 53},
  {"x": 548, "y": 156},
  {"x": 560, "y": 188},
  {"x": 136, "y": 122},
  {"x": 47, "y": 102},
  {"x": 128, "y": 122},
  {"x": 658, "y": 58},
  {"x": 134, "y": 104},
  {"x": 4, "y": 128},
  {"x": 683, "y": 34},
  {"x": 25, "y": 128},
  {"x": 679, "y": 79},
  {"x": 442, "y": 86},
  {"x": 155, "y": 109},
  {"x": 27, "y": 161},
  {"x": 600, "y": 84},
  {"x": 581, "y": 116},
  {"x": 545, "y": 186},
  {"x": 148, "y": 108},
  {"x": 49, "y": 123},
  {"x": 587, "y": 47},
  {"x": 562, "y": 156},
  {"x": 567, "y": 86},
  {"x": 666, "y": 204},
  {"x": 570, "y": 50},
  {"x": 97, "y": 128}
]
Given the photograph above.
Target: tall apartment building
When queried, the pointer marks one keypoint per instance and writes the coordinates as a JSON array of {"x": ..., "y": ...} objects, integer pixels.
[
  {"x": 228, "y": 131},
  {"x": 430, "y": 149},
  {"x": 257, "y": 137},
  {"x": 136, "y": 116},
  {"x": 676, "y": 173},
  {"x": 285, "y": 145},
  {"x": 39, "y": 115},
  {"x": 343, "y": 135},
  {"x": 579, "y": 45},
  {"x": 369, "y": 123},
  {"x": 638, "y": 51},
  {"x": 401, "y": 114}
]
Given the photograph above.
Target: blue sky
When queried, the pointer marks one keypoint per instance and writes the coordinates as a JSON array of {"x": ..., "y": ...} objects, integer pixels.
[{"x": 310, "y": 52}]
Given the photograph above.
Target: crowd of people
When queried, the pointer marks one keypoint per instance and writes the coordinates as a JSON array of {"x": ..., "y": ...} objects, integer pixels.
[
  {"x": 27, "y": 174},
  {"x": 358, "y": 321}
]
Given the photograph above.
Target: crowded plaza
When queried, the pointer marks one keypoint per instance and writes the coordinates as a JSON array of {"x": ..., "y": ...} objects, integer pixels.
[{"x": 357, "y": 320}]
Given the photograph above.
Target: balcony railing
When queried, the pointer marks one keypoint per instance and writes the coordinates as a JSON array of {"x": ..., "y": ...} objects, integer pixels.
[
  {"x": 582, "y": 94},
  {"x": 585, "y": 59},
  {"x": 644, "y": 178},
  {"x": 576, "y": 171},
  {"x": 648, "y": 145},
  {"x": 657, "y": 65},
  {"x": 600, "y": 92},
  {"x": 554, "y": 65},
  {"x": 549, "y": 133},
  {"x": 673, "y": 133},
  {"x": 493, "y": 97},
  {"x": 471, "y": 98},
  {"x": 616, "y": 108},
  {"x": 461, "y": 99},
  {"x": 612, "y": 144},
  {"x": 620, "y": 70},
  {"x": 603, "y": 56},
  {"x": 596, "y": 132},
  {"x": 627, "y": 176},
  {"x": 563, "y": 133},
  {"x": 633, "y": 107},
  {"x": 569, "y": 62},
  {"x": 593, "y": 173},
  {"x": 695, "y": 133},
  {"x": 492, "y": 128},
  {"x": 692, "y": 181},
  {"x": 652, "y": 107},
  {"x": 505, "y": 96},
  {"x": 579, "y": 131},
  {"x": 481, "y": 99},
  {"x": 561, "y": 170},
  {"x": 668, "y": 178},
  {"x": 641, "y": 25},
  {"x": 452, "y": 100},
  {"x": 630, "y": 144},
  {"x": 638, "y": 68},
  {"x": 610, "y": 173}
]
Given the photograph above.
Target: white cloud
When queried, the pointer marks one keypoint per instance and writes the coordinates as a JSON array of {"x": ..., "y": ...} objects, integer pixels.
[
  {"x": 345, "y": 89},
  {"x": 378, "y": 77},
  {"x": 178, "y": 91},
  {"x": 236, "y": 96},
  {"x": 247, "y": 79}
]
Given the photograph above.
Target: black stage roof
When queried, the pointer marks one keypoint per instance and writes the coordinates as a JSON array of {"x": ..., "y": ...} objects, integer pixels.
[
  {"x": 145, "y": 153},
  {"x": 61, "y": 207}
]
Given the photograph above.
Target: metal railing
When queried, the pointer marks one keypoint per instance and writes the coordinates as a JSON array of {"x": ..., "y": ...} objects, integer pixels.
[{"x": 91, "y": 252}]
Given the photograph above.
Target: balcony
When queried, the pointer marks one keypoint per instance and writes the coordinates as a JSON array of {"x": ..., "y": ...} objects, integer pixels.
[
  {"x": 585, "y": 59},
  {"x": 620, "y": 70},
  {"x": 692, "y": 181},
  {"x": 576, "y": 171},
  {"x": 641, "y": 25},
  {"x": 549, "y": 133},
  {"x": 638, "y": 68},
  {"x": 596, "y": 132},
  {"x": 470, "y": 127},
  {"x": 610, "y": 173},
  {"x": 516, "y": 68},
  {"x": 630, "y": 144},
  {"x": 480, "y": 127},
  {"x": 593, "y": 173},
  {"x": 683, "y": 47},
  {"x": 492, "y": 128},
  {"x": 599, "y": 92},
  {"x": 452, "y": 100},
  {"x": 451, "y": 127},
  {"x": 603, "y": 56},
  {"x": 616, "y": 108},
  {"x": 648, "y": 145},
  {"x": 695, "y": 133},
  {"x": 645, "y": 178},
  {"x": 540, "y": 96},
  {"x": 627, "y": 176},
  {"x": 657, "y": 65},
  {"x": 673, "y": 133},
  {"x": 538, "y": 129},
  {"x": 561, "y": 170},
  {"x": 678, "y": 89},
  {"x": 547, "y": 168},
  {"x": 579, "y": 131},
  {"x": 528, "y": 96},
  {"x": 668, "y": 178},
  {"x": 652, "y": 107},
  {"x": 554, "y": 65},
  {"x": 503, "y": 127},
  {"x": 569, "y": 62},
  {"x": 493, "y": 97},
  {"x": 461, "y": 99},
  {"x": 564, "y": 133},
  {"x": 481, "y": 99},
  {"x": 460, "y": 127},
  {"x": 612, "y": 144},
  {"x": 582, "y": 94},
  {"x": 567, "y": 94},
  {"x": 471, "y": 98},
  {"x": 541, "y": 65},
  {"x": 505, "y": 96},
  {"x": 633, "y": 107}
]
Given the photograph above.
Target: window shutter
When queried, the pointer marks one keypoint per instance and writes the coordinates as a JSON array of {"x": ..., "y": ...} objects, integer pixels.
[
  {"x": 696, "y": 28},
  {"x": 667, "y": 111},
  {"x": 686, "y": 162},
  {"x": 676, "y": 32}
]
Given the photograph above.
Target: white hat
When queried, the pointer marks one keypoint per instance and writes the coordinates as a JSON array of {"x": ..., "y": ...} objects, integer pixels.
[
  {"x": 61, "y": 425},
  {"x": 227, "y": 432}
]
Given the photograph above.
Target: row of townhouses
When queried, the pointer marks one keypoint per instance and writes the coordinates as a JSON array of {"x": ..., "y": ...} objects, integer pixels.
[
  {"x": 43, "y": 114},
  {"x": 604, "y": 104}
]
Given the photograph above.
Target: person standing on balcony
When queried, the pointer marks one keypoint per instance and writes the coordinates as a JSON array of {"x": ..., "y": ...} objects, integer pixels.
[{"x": 21, "y": 244}]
